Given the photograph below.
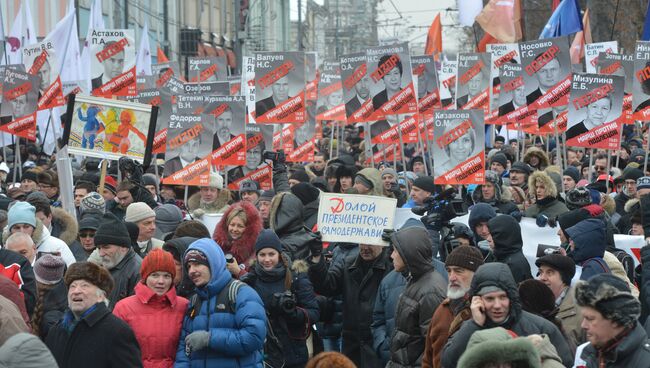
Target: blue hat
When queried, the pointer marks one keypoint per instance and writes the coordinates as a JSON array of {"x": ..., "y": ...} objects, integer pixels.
[
  {"x": 268, "y": 239},
  {"x": 21, "y": 213}
]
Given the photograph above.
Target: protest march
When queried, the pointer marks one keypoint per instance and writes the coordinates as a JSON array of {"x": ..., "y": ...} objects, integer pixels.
[{"x": 389, "y": 206}]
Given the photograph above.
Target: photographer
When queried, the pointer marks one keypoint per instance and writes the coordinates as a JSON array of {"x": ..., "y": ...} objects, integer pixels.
[
  {"x": 280, "y": 176},
  {"x": 289, "y": 301}
]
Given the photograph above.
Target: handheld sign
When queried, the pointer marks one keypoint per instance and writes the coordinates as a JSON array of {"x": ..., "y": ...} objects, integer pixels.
[
  {"x": 19, "y": 103},
  {"x": 355, "y": 218},
  {"x": 112, "y": 63},
  {"x": 225, "y": 117},
  {"x": 473, "y": 81},
  {"x": 207, "y": 69},
  {"x": 424, "y": 72},
  {"x": 259, "y": 138},
  {"x": 356, "y": 87},
  {"x": 513, "y": 109},
  {"x": 41, "y": 59},
  {"x": 280, "y": 87},
  {"x": 641, "y": 86},
  {"x": 593, "y": 51},
  {"x": 448, "y": 71},
  {"x": 330, "y": 104},
  {"x": 500, "y": 54},
  {"x": 621, "y": 65}
]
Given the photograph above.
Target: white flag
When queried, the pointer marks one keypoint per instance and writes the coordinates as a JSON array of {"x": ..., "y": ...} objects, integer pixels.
[
  {"x": 22, "y": 33},
  {"x": 143, "y": 61},
  {"x": 468, "y": 10},
  {"x": 66, "y": 44},
  {"x": 95, "y": 21}
]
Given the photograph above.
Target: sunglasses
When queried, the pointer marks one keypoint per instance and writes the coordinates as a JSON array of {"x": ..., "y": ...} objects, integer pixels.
[
  {"x": 599, "y": 168},
  {"x": 87, "y": 235}
]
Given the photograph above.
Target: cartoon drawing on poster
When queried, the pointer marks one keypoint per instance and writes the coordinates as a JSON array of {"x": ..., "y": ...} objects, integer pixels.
[
  {"x": 279, "y": 87},
  {"x": 448, "y": 71},
  {"x": 458, "y": 151},
  {"x": 596, "y": 111},
  {"x": 473, "y": 81},
  {"x": 155, "y": 97},
  {"x": 112, "y": 65},
  {"x": 547, "y": 71},
  {"x": 356, "y": 87}
]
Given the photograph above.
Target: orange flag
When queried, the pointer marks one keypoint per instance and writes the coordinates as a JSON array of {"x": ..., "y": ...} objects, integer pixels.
[
  {"x": 583, "y": 37},
  {"x": 434, "y": 38},
  {"x": 161, "y": 56},
  {"x": 502, "y": 19},
  {"x": 487, "y": 39}
]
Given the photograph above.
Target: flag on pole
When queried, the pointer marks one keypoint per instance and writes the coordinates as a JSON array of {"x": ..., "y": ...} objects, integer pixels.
[
  {"x": 143, "y": 60},
  {"x": 487, "y": 39},
  {"x": 22, "y": 33},
  {"x": 502, "y": 20},
  {"x": 162, "y": 58},
  {"x": 434, "y": 38},
  {"x": 65, "y": 40},
  {"x": 645, "y": 36},
  {"x": 564, "y": 20},
  {"x": 468, "y": 10},
  {"x": 583, "y": 37},
  {"x": 95, "y": 21}
]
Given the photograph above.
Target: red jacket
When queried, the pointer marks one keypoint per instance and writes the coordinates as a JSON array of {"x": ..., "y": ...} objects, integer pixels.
[{"x": 156, "y": 322}]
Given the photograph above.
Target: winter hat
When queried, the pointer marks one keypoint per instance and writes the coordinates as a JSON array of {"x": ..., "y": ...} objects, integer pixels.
[
  {"x": 389, "y": 171},
  {"x": 500, "y": 138},
  {"x": 578, "y": 197},
  {"x": 637, "y": 155},
  {"x": 29, "y": 175},
  {"x": 467, "y": 257},
  {"x": 4, "y": 167},
  {"x": 572, "y": 172},
  {"x": 643, "y": 183},
  {"x": 320, "y": 183},
  {"x": 110, "y": 184},
  {"x": 168, "y": 216},
  {"x": 522, "y": 167},
  {"x": 157, "y": 260},
  {"x": 425, "y": 183},
  {"x": 94, "y": 274},
  {"x": 248, "y": 186},
  {"x": 610, "y": 296},
  {"x": 300, "y": 175},
  {"x": 360, "y": 179},
  {"x": 15, "y": 192},
  {"x": 571, "y": 218},
  {"x": 268, "y": 239},
  {"x": 499, "y": 158},
  {"x": 306, "y": 192},
  {"x": 414, "y": 160},
  {"x": 216, "y": 181},
  {"x": 49, "y": 269},
  {"x": 632, "y": 173},
  {"x": 21, "y": 213},
  {"x": 562, "y": 264},
  {"x": 195, "y": 255},
  {"x": 150, "y": 179},
  {"x": 268, "y": 195},
  {"x": 93, "y": 201},
  {"x": 537, "y": 298},
  {"x": 329, "y": 359},
  {"x": 89, "y": 222},
  {"x": 113, "y": 232},
  {"x": 138, "y": 211}
]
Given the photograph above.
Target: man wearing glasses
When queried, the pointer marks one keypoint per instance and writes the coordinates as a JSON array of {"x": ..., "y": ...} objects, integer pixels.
[{"x": 86, "y": 243}]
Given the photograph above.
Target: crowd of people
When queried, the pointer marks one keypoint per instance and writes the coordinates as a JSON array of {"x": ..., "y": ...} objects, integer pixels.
[{"x": 135, "y": 276}]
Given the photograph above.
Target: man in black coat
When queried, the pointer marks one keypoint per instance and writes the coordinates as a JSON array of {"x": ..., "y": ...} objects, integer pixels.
[
  {"x": 89, "y": 335},
  {"x": 507, "y": 245},
  {"x": 18, "y": 269}
]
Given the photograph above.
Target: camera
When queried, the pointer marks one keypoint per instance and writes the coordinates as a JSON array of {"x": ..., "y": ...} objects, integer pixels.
[
  {"x": 130, "y": 169},
  {"x": 286, "y": 301},
  {"x": 230, "y": 258}
]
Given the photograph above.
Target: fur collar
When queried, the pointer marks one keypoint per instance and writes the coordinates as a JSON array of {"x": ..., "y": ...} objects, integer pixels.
[
  {"x": 69, "y": 225},
  {"x": 194, "y": 202},
  {"x": 37, "y": 235},
  {"x": 630, "y": 204}
]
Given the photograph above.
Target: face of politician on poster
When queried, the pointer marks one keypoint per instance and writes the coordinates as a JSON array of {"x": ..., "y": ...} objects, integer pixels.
[
  {"x": 335, "y": 98},
  {"x": 362, "y": 87},
  {"x": 549, "y": 75},
  {"x": 190, "y": 149},
  {"x": 303, "y": 134},
  {"x": 44, "y": 74},
  {"x": 19, "y": 106},
  {"x": 224, "y": 124},
  {"x": 281, "y": 90},
  {"x": 460, "y": 149},
  {"x": 392, "y": 79},
  {"x": 114, "y": 65},
  {"x": 519, "y": 95},
  {"x": 254, "y": 156},
  {"x": 598, "y": 111},
  {"x": 475, "y": 84}
]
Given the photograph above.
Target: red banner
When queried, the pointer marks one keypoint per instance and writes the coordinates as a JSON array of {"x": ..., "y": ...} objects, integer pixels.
[
  {"x": 408, "y": 128},
  {"x": 53, "y": 96},
  {"x": 403, "y": 102},
  {"x": 231, "y": 153},
  {"x": 24, "y": 127},
  {"x": 197, "y": 173},
  {"x": 304, "y": 153},
  {"x": 606, "y": 136},
  {"x": 469, "y": 172},
  {"x": 263, "y": 175},
  {"x": 291, "y": 110},
  {"x": 556, "y": 96},
  {"x": 160, "y": 141},
  {"x": 122, "y": 85}
]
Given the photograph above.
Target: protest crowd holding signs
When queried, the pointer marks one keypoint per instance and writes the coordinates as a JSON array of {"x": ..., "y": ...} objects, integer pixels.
[{"x": 371, "y": 209}]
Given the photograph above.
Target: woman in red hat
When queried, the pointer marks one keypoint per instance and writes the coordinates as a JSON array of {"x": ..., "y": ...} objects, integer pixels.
[{"x": 155, "y": 312}]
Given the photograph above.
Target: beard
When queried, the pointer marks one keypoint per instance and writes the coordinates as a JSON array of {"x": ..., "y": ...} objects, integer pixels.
[
  {"x": 456, "y": 292},
  {"x": 110, "y": 262}
]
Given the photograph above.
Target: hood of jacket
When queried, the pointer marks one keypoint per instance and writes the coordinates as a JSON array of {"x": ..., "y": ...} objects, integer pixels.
[
  {"x": 415, "y": 247},
  {"x": 178, "y": 245},
  {"x": 497, "y": 346},
  {"x": 219, "y": 275},
  {"x": 499, "y": 275},
  {"x": 68, "y": 223},
  {"x": 544, "y": 178},
  {"x": 541, "y": 155},
  {"x": 244, "y": 247},
  {"x": 506, "y": 234},
  {"x": 480, "y": 212},
  {"x": 194, "y": 202},
  {"x": 287, "y": 215},
  {"x": 631, "y": 205},
  {"x": 374, "y": 176},
  {"x": 501, "y": 195},
  {"x": 589, "y": 239},
  {"x": 26, "y": 351}
]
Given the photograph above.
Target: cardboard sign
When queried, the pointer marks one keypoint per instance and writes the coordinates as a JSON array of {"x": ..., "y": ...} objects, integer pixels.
[
  {"x": 163, "y": 72},
  {"x": 112, "y": 65},
  {"x": 356, "y": 87},
  {"x": 330, "y": 104},
  {"x": 473, "y": 82},
  {"x": 207, "y": 69},
  {"x": 354, "y": 218},
  {"x": 621, "y": 65},
  {"x": 303, "y": 142},
  {"x": 224, "y": 116},
  {"x": 448, "y": 71},
  {"x": 280, "y": 87},
  {"x": 426, "y": 78},
  {"x": 513, "y": 109},
  {"x": 311, "y": 75},
  {"x": 592, "y": 52},
  {"x": 500, "y": 54},
  {"x": 41, "y": 59},
  {"x": 155, "y": 97},
  {"x": 19, "y": 103},
  {"x": 259, "y": 138},
  {"x": 632, "y": 244},
  {"x": 404, "y": 125},
  {"x": 458, "y": 150},
  {"x": 641, "y": 84},
  {"x": 248, "y": 87}
]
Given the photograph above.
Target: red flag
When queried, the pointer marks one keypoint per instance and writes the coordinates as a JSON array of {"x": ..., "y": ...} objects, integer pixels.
[
  {"x": 434, "y": 38},
  {"x": 161, "y": 56},
  {"x": 555, "y": 4},
  {"x": 502, "y": 19},
  {"x": 487, "y": 39},
  {"x": 583, "y": 37}
]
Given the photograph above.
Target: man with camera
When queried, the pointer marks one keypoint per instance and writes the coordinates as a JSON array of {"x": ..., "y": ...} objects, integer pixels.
[{"x": 422, "y": 189}]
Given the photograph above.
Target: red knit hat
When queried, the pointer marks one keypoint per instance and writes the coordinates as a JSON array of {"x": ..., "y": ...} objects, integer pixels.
[{"x": 157, "y": 260}]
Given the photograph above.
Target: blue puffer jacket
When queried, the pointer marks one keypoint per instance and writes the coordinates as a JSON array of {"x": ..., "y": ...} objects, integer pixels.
[
  {"x": 590, "y": 244},
  {"x": 236, "y": 340},
  {"x": 383, "y": 316}
]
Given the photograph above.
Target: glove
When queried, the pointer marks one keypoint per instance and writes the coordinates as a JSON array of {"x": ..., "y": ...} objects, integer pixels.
[
  {"x": 394, "y": 188},
  {"x": 197, "y": 340},
  {"x": 316, "y": 245},
  {"x": 541, "y": 220},
  {"x": 386, "y": 234},
  {"x": 516, "y": 215},
  {"x": 552, "y": 222}
]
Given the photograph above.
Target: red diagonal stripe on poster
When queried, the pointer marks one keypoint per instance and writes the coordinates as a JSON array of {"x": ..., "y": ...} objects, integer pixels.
[
  {"x": 263, "y": 175},
  {"x": 53, "y": 96},
  {"x": 470, "y": 171},
  {"x": 231, "y": 153},
  {"x": 24, "y": 127},
  {"x": 122, "y": 85}
]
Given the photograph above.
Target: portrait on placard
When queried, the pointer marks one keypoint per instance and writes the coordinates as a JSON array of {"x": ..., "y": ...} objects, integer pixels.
[
  {"x": 311, "y": 76},
  {"x": 112, "y": 65},
  {"x": 547, "y": 71},
  {"x": 623, "y": 66},
  {"x": 279, "y": 87},
  {"x": 500, "y": 54},
  {"x": 162, "y": 72},
  {"x": 473, "y": 81},
  {"x": 187, "y": 156},
  {"x": 356, "y": 87},
  {"x": 208, "y": 68},
  {"x": 330, "y": 104},
  {"x": 641, "y": 85},
  {"x": 426, "y": 76},
  {"x": 225, "y": 117},
  {"x": 302, "y": 139},
  {"x": 259, "y": 138},
  {"x": 593, "y": 50},
  {"x": 42, "y": 60},
  {"x": 19, "y": 103},
  {"x": 448, "y": 71},
  {"x": 407, "y": 125}
]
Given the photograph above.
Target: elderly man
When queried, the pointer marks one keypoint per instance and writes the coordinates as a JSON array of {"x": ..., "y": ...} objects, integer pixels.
[
  {"x": 142, "y": 215},
  {"x": 461, "y": 264},
  {"x": 212, "y": 198},
  {"x": 89, "y": 334},
  {"x": 118, "y": 257},
  {"x": 22, "y": 244}
]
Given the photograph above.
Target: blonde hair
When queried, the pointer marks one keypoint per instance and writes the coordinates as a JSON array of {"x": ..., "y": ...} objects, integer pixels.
[{"x": 237, "y": 212}]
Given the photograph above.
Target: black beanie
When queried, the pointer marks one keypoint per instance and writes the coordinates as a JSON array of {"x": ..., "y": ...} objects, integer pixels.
[
  {"x": 134, "y": 233},
  {"x": 562, "y": 264},
  {"x": 112, "y": 231},
  {"x": 268, "y": 239},
  {"x": 501, "y": 159},
  {"x": 306, "y": 192},
  {"x": 572, "y": 172},
  {"x": 425, "y": 183},
  {"x": 300, "y": 175},
  {"x": 571, "y": 218},
  {"x": 30, "y": 175}
]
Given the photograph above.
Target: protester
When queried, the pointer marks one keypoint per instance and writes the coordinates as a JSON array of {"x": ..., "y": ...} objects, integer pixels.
[
  {"x": 210, "y": 199},
  {"x": 309, "y": 196},
  {"x": 25, "y": 350},
  {"x": 168, "y": 217},
  {"x": 22, "y": 244},
  {"x": 85, "y": 244},
  {"x": 287, "y": 221},
  {"x": 507, "y": 246},
  {"x": 493, "y": 193},
  {"x": 236, "y": 233},
  {"x": 51, "y": 300},
  {"x": 155, "y": 312},
  {"x": 89, "y": 334},
  {"x": 546, "y": 204},
  {"x": 60, "y": 224},
  {"x": 142, "y": 215}
]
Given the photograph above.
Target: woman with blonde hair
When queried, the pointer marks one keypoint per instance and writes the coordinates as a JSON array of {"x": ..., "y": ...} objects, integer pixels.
[{"x": 236, "y": 234}]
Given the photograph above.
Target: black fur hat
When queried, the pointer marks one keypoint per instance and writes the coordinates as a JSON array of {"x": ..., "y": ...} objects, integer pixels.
[{"x": 610, "y": 296}]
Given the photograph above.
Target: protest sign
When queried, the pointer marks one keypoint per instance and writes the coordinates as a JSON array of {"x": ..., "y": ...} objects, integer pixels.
[
  {"x": 596, "y": 111},
  {"x": 282, "y": 137},
  {"x": 311, "y": 76},
  {"x": 458, "y": 151},
  {"x": 162, "y": 72},
  {"x": 207, "y": 88},
  {"x": 224, "y": 116},
  {"x": 406, "y": 125},
  {"x": 621, "y": 65},
  {"x": 448, "y": 71},
  {"x": 500, "y": 54},
  {"x": 473, "y": 82},
  {"x": 426, "y": 76},
  {"x": 112, "y": 65},
  {"x": 234, "y": 81},
  {"x": 248, "y": 87},
  {"x": 280, "y": 87},
  {"x": 330, "y": 104},
  {"x": 19, "y": 103},
  {"x": 302, "y": 140},
  {"x": 143, "y": 82},
  {"x": 641, "y": 82},
  {"x": 155, "y": 97},
  {"x": 109, "y": 129},
  {"x": 592, "y": 52},
  {"x": 258, "y": 139},
  {"x": 632, "y": 244},
  {"x": 547, "y": 71},
  {"x": 356, "y": 87},
  {"x": 173, "y": 87},
  {"x": 42, "y": 60},
  {"x": 354, "y": 218},
  {"x": 391, "y": 80},
  {"x": 207, "y": 69},
  {"x": 385, "y": 152},
  {"x": 513, "y": 110}
]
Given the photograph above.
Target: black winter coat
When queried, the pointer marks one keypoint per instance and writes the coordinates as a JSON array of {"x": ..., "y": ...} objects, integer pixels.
[
  {"x": 287, "y": 221},
  {"x": 98, "y": 340},
  {"x": 508, "y": 246},
  {"x": 12, "y": 263},
  {"x": 126, "y": 275},
  {"x": 645, "y": 283},
  {"x": 632, "y": 351},
  {"x": 359, "y": 290},
  {"x": 291, "y": 329},
  {"x": 54, "y": 305}
]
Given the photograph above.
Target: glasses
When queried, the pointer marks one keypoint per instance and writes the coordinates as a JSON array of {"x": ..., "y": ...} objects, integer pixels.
[
  {"x": 44, "y": 186},
  {"x": 599, "y": 168},
  {"x": 87, "y": 235}
]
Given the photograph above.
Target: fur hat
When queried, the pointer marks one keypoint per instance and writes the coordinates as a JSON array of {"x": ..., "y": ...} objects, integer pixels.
[
  {"x": 610, "y": 296},
  {"x": 330, "y": 359},
  {"x": 90, "y": 272},
  {"x": 549, "y": 184},
  {"x": 578, "y": 197}
]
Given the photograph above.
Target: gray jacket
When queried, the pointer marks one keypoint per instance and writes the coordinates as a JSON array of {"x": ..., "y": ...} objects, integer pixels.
[
  {"x": 126, "y": 275},
  {"x": 25, "y": 350},
  {"x": 633, "y": 351}
]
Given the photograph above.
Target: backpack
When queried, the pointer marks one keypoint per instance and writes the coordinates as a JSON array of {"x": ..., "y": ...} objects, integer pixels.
[{"x": 226, "y": 300}]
